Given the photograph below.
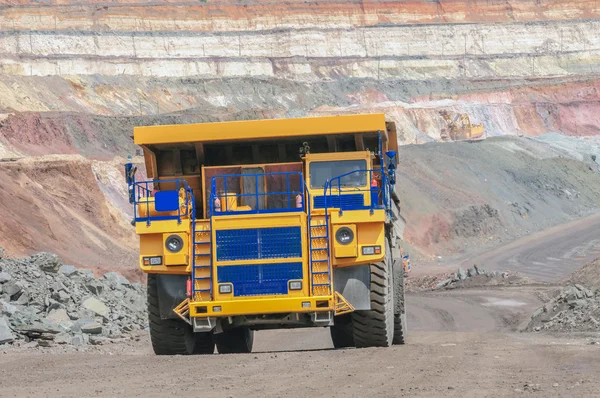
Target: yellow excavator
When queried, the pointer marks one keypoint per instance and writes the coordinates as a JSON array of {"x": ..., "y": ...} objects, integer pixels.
[{"x": 460, "y": 128}]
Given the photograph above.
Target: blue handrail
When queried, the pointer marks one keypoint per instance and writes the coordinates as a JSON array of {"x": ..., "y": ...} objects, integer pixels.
[
  {"x": 256, "y": 194},
  {"x": 341, "y": 190},
  {"x": 142, "y": 191}
]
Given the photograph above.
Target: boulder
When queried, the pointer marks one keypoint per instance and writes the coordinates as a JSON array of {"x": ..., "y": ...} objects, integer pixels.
[
  {"x": 62, "y": 338},
  {"x": 61, "y": 296},
  {"x": 58, "y": 316},
  {"x": 5, "y": 277},
  {"x": 23, "y": 299},
  {"x": 95, "y": 287},
  {"x": 92, "y": 328},
  {"x": 537, "y": 312},
  {"x": 68, "y": 271},
  {"x": 7, "y": 308},
  {"x": 86, "y": 273},
  {"x": 13, "y": 288},
  {"x": 39, "y": 328},
  {"x": 47, "y": 262},
  {"x": 98, "y": 340},
  {"x": 6, "y": 335},
  {"x": 571, "y": 293},
  {"x": 461, "y": 274},
  {"x": 96, "y": 306},
  {"x": 116, "y": 279},
  {"x": 443, "y": 283}
]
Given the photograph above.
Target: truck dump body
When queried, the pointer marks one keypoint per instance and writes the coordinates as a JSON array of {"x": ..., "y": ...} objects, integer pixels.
[{"x": 260, "y": 224}]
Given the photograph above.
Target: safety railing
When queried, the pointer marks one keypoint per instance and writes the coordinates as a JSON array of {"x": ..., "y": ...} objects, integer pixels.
[
  {"x": 350, "y": 197},
  {"x": 256, "y": 197},
  {"x": 162, "y": 205}
]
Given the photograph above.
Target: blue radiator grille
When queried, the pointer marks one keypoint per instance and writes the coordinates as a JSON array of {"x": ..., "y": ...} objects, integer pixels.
[
  {"x": 344, "y": 201},
  {"x": 259, "y": 279},
  {"x": 258, "y": 243}
]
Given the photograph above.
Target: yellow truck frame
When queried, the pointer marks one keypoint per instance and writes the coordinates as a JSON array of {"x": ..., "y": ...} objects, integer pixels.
[{"x": 253, "y": 225}]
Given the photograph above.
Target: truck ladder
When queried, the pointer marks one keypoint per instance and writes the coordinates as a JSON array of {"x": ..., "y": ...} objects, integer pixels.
[
  {"x": 320, "y": 259},
  {"x": 202, "y": 261}
]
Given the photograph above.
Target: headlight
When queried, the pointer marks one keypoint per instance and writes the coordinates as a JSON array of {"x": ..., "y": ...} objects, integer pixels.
[
  {"x": 295, "y": 285},
  {"x": 225, "y": 289},
  {"x": 344, "y": 236},
  {"x": 174, "y": 243}
]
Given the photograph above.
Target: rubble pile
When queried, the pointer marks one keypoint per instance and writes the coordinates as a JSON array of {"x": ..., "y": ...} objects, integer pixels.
[
  {"x": 476, "y": 276},
  {"x": 471, "y": 277},
  {"x": 575, "y": 309},
  {"x": 43, "y": 302}
]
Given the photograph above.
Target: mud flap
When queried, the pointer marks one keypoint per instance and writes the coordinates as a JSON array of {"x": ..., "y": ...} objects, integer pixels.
[
  {"x": 353, "y": 283},
  {"x": 171, "y": 292}
]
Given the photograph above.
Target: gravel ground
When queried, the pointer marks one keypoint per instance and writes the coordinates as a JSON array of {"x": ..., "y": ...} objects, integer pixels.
[{"x": 462, "y": 343}]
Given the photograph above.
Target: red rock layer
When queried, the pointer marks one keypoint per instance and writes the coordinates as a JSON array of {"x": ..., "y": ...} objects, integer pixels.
[{"x": 264, "y": 15}]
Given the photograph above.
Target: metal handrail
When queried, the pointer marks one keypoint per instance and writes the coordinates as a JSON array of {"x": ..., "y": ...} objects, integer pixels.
[
  {"x": 213, "y": 194},
  {"x": 142, "y": 191},
  {"x": 329, "y": 186}
]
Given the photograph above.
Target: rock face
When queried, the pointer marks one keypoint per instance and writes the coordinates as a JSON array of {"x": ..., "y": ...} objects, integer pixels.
[
  {"x": 44, "y": 301},
  {"x": 516, "y": 67}
]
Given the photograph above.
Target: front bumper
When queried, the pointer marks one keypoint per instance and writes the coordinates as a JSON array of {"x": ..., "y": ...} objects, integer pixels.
[{"x": 261, "y": 306}]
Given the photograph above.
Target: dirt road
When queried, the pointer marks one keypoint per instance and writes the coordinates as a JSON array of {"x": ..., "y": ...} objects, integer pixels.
[
  {"x": 546, "y": 256},
  {"x": 462, "y": 344}
]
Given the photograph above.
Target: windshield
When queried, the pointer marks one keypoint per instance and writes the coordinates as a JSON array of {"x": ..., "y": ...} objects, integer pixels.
[{"x": 320, "y": 172}]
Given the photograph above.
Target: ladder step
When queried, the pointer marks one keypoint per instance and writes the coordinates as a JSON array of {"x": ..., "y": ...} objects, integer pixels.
[
  {"x": 320, "y": 284},
  {"x": 202, "y": 290},
  {"x": 202, "y": 279},
  {"x": 319, "y": 237},
  {"x": 320, "y": 248},
  {"x": 320, "y": 261},
  {"x": 202, "y": 255},
  {"x": 320, "y": 273},
  {"x": 201, "y": 243}
]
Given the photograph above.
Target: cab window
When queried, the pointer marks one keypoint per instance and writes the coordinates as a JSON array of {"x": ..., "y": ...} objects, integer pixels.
[{"x": 320, "y": 172}]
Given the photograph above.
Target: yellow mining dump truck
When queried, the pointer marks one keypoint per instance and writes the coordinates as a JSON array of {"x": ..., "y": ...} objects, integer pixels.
[
  {"x": 270, "y": 224},
  {"x": 460, "y": 128}
]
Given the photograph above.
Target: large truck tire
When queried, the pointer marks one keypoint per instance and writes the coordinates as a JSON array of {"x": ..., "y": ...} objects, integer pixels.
[
  {"x": 205, "y": 344},
  {"x": 168, "y": 336},
  {"x": 399, "y": 329},
  {"x": 342, "y": 332},
  {"x": 235, "y": 341},
  {"x": 375, "y": 327},
  {"x": 399, "y": 307}
]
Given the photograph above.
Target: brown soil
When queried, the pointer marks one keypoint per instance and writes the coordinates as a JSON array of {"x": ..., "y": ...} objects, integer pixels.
[{"x": 58, "y": 205}]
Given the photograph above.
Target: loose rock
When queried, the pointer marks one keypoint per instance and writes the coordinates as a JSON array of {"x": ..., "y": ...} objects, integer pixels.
[
  {"x": 572, "y": 310},
  {"x": 96, "y": 306},
  {"x": 68, "y": 270},
  {"x": 92, "y": 328},
  {"x": 6, "y": 335},
  {"x": 5, "y": 277},
  {"x": 43, "y": 300}
]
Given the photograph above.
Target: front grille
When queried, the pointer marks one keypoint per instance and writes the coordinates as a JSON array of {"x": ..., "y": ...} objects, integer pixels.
[
  {"x": 259, "y": 279},
  {"x": 258, "y": 243},
  {"x": 344, "y": 201}
]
